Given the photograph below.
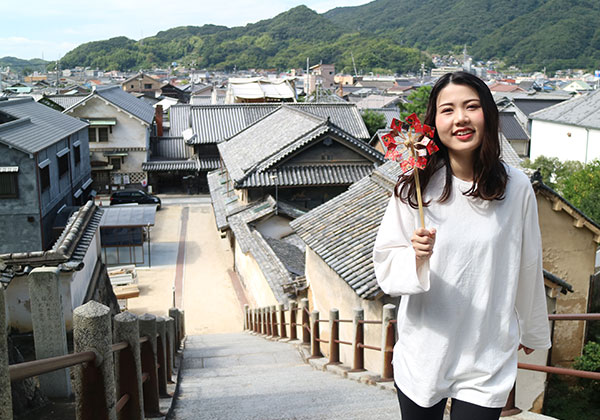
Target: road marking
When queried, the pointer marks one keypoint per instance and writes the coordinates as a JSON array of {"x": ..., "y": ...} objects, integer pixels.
[{"x": 179, "y": 268}]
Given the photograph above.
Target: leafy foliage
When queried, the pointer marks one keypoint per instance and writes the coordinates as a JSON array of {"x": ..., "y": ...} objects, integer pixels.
[
  {"x": 282, "y": 43},
  {"x": 373, "y": 120},
  {"x": 582, "y": 188},
  {"x": 553, "y": 170},
  {"x": 417, "y": 103}
]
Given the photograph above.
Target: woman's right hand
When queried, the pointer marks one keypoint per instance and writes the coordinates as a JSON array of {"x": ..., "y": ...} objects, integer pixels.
[{"x": 422, "y": 242}]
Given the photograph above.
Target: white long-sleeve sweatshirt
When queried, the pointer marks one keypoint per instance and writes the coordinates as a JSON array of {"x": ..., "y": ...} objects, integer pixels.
[{"x": 463, "y": 315}]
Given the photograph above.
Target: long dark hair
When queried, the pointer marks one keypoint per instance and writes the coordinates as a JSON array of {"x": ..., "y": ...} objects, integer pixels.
[{"x": 489, "y": 173}]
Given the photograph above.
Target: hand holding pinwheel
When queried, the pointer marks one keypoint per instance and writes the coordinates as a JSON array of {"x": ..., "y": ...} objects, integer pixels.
[{"x": 416, "y": 140}]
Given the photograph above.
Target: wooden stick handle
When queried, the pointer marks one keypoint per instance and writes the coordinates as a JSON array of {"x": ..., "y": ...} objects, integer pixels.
[{"x": 419, "y": 199}]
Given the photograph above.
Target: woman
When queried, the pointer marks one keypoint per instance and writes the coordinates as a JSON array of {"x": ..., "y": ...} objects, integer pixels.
[{"x": 471, "y": 282}]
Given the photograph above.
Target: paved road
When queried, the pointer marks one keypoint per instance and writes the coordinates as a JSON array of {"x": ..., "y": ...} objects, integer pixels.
[{"x": 242, "y": 376}]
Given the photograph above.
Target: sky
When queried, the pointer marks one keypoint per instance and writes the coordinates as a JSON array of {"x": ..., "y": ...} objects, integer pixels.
[{"x": 50, "y": 29}]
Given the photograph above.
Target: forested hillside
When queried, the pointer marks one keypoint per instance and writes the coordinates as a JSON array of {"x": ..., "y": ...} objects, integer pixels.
[
  {"x": 528, "y": 33},
  {"x": 282, "y": 42},
  {"x": 384, "y": 35},
  {"x": 23, "y": 66}
]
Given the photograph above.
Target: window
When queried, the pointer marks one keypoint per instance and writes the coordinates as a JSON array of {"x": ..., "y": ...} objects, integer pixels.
[
  {"x": 9, "y": 187},
  {"x": 131, "y": 86},
  {"x": 116, "y": 163},
  {"x": 77, "y": 154},
  {"x": 147, "y": 86},
  {"x": 45, "y": 177},
  {"x": 98, "y": 134},
  {"x": 63, "y": 165}
]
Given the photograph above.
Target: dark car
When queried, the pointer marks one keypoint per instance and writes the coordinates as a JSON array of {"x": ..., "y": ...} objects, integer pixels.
[{"x": 134, "y": 196}]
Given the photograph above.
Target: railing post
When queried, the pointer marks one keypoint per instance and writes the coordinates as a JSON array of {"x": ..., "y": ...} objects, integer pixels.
[
  {"x": 388, "y": 339},
  {"x": 293, "y": 317},
  {"x": 174, "y": 313},
  {"x": 128, "y": 365},
  {"x": 5, "y": 396},
  {"x": 269, "y": 321},
  {"x": 170, "y": 323},
  {"x": 315, "y": 350},
  {"x": 334, "y": 328},
  {"x": 510, "y": 409},
  {"x": 49, "y": 332},
  {"x": 265, "y": 324},
  {"x": 161, "y": 356},
  {"x": 181, "y": 324},
  {"x": 274, "y": 330},
  {"x": 247, "y": 319},
  {"x": 256, "y": 316},
  {"x": 94, "y": 383},
  {"x": 283, "y": 333},
  {"x": 147, "y": 324},
  {"x": 305, "y": 321},
  {"x": 358, "y": 363}
]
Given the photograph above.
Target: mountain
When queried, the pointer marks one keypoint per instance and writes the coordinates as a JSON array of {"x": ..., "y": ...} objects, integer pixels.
[
  {"x": 528, "y": 33},
  {"x": 19, "y": 65},
  {"x": 282, "y": 42},
  {"x": 384, "y": 35}
]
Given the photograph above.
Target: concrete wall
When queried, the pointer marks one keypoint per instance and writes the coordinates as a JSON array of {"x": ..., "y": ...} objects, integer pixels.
[
  {"x": 566, "y": 142},
  {"x": 569, "y": 252},
  {"x": 17, "y": 233},
  {"x": 328, "y": 291},
  {"x": 253, "y": 278},
  {"x": 80, "y": 280}
]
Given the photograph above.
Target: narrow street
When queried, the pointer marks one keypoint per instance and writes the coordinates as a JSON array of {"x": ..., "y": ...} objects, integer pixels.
[{"x": 196, "y": 260}]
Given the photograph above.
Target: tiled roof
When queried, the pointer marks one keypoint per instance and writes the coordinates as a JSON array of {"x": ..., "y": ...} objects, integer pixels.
[
  {"x": 307, "y": 175},
  {"x": 65, "y": 101},
  {"x": 36, "y": 126},
  {"x": 581, "y": 111},
  {"x": 377, "y": 101},
  {"x": 123, "y": 100},
  {"x": 67, "y": 253},
  {"x": 173, "y": 165},
  {"x": 290, "y": 255},
  {"x": 216, "y": 123},
  {"x": 224, "y": 201},
  {"x": 276, "y": 137},
  {"x": 342, "y": 231},
  {"x": 171, "y": 148},
  {"x": 529, "y": 106},
  {"x": 511, "y": 128},
  {"x": 508, "y": 154}
]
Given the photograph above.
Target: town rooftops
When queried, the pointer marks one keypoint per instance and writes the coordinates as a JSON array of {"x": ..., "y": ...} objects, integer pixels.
[
  {"x": 581, "y": 111},
  {"x": 67, "y": 253},
  {"x": 274, "y": 138},
  {"x": 121, "y": 99},
  {"x": 32, "y": 127},
  {"x": 511, "y": 128},
  {"x": 215, "y": 123}
]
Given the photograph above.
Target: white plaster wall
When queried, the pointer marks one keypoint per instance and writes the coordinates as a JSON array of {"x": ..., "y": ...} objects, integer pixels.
[
  {"x": 253, "y": 279},
  {"x": 328, "y": 291},
  {"x": 81, "y": 279},
  {"x": 553, "y": 140},
  {"x": 274, "y": 227}
]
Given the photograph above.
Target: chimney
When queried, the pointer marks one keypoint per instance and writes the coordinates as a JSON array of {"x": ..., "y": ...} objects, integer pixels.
[{"x": 158, "y": 117}]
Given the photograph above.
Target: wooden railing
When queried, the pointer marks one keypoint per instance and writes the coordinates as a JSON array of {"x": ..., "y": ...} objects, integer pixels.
[
  {"x": 135, "y": 369},
  {"x": 271, "y": 322}
]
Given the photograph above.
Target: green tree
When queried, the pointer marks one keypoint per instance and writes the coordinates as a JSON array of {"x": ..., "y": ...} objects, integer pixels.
[
  {"x": 553, "y": 170},
  {"x": 582, "y": 189},
  {"x": 373, "y": 120},
  {"x": 417, "y": 103}
]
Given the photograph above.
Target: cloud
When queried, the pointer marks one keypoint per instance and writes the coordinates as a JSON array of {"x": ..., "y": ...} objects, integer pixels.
[{"x": 26, "y": 48}]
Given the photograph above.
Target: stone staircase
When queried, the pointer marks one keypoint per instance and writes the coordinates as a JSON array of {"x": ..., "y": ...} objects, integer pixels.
[{"x": 243, "y": 376}]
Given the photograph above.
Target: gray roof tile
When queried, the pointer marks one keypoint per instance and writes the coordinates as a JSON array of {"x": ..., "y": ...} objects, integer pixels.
[
  {"x": 36, "y": 127},
  {"x": 581, "y": 111},
  {"x": 511, "y": 128}
]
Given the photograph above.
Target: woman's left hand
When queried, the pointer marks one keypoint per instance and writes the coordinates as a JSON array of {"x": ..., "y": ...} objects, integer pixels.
[{"x": 527, "y": 350}]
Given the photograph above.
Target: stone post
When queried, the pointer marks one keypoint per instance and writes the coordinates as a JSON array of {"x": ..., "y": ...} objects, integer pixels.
[
  {"x": 147, "y": 324},
  {"x": 5, "y": 398},
  {"x": 94, "y": 382},
  {"x": 128, "y": 365},
  {"x": 305, "y": 321},
  {"x": 293, "y": 317},
  {"x": 334, "y": 328},
  {"x": 246, "y": 317},
  {"x": 358, "y": 362},
  {"x": 388, "y": 339},
  {"x": 170, "y": 347},
  {"x": 315, "y": 344},
  {"x": 161, "y": 355},
  {"x": 174, "y": 313},
  {"x": 282, "y": 328},
  {"x": 49, "y": 332},
  {"x": 274, "y": 329}
]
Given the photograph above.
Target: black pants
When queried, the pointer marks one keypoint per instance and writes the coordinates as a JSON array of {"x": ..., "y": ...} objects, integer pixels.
[{"x": 460, "y": 410}]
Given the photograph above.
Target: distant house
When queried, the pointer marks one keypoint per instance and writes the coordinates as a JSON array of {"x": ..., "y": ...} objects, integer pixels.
[
  {"x": 576, "y": 86},
  {"x": 142, "y": 83},
  {"x": 120, "y": 126},
  {"x": 516, "y": 134},
  {"x": 378, "y": 101},
  {"x": 505, "y": 87},
  {"x": 170, "y": 90},
  {"x": 44, "y": 167},
  {"x": 569, "y": 130},
  {"x": 259, "y": 89}
]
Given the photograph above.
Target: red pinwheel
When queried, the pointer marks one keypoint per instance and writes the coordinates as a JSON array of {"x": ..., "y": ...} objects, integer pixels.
[{"x": 417, "y": 139}]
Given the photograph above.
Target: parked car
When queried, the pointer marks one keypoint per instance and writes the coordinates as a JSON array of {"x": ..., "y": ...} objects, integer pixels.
[{"x": 134, "y": 196}]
